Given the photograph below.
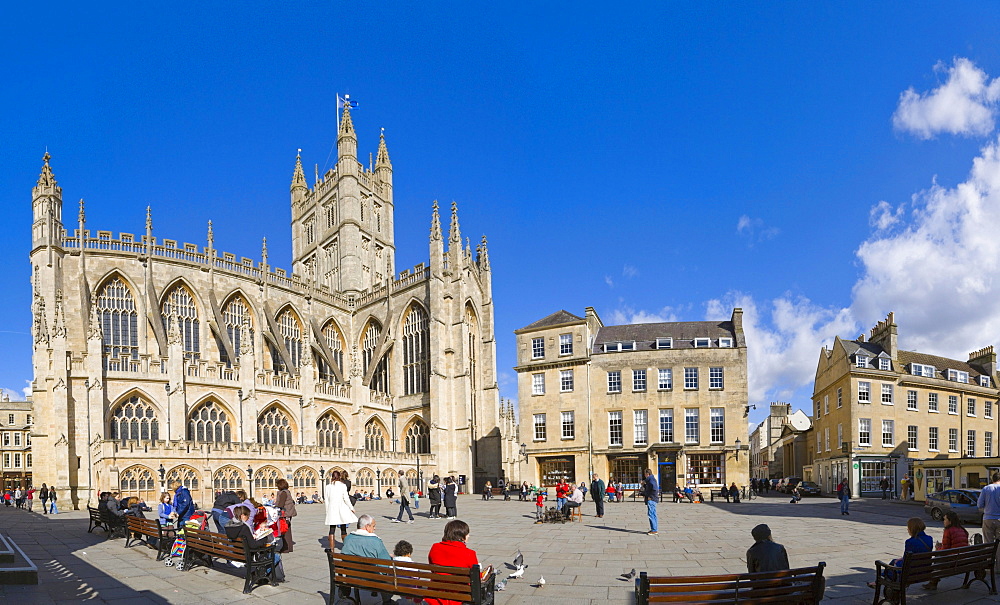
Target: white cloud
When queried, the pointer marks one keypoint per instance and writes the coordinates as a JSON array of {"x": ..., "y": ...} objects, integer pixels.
[
  {"x": 754, "y": 230},
  {"x": 883, "y": 215},
  {"x": 629, "y": 315},
  {"x": 783, "y": 341},
  {"x": 965, "y": 104},
  {"x": 629, "y": 271},
  {"x": 609, "y": 281}
]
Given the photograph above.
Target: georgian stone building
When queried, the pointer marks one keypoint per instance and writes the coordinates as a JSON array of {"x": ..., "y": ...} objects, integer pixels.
[
  {"x": 158, "y": 362},
  {"x": 879, "y": 408},
  {"x": 15, "y": 442},
  {"x": 618, "y": 399}
]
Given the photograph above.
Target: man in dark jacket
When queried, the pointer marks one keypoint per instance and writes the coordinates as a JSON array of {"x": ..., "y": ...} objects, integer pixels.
[
  {"x": 183, "y": 505},
  {"x": 650, "y": 494},
  {"x": 597, "y": 488},
  {"x": 765, "y": 554}
]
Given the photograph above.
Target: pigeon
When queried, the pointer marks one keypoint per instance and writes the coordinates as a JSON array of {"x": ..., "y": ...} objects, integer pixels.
[
  {"x": 502, "y": 584},
  {"x": 519, "y": 559},
  {"x": 541, "y": 582},
  {"x": 629, "y": 575},
  {"x": 517, "y": 574}
]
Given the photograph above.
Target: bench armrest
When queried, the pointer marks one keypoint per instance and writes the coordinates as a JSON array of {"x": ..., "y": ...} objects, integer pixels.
[{"x": 879, "y": 565}]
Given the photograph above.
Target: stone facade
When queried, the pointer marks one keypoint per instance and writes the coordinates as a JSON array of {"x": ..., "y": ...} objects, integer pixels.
[
  {"x": 768, "y": 458},
  {"x": 157, "y": 363},
  {"x": 618, "y": 399},
  {"x": 16, "y": 463},
  {"x": 878, "y": 409}
]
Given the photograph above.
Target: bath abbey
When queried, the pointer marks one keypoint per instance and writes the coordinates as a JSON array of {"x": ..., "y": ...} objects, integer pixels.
[{"x": 159, "y": 363}]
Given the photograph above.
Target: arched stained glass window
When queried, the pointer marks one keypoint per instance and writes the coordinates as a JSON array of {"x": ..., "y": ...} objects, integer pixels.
[
  {"x": 335, "y": 341},
  {"x": 374, "y": 436},
  {"x": 179, "y": 304},
  {"x": 119, "y": 323},
  {"x": 418, "y": 438},
  {"x": 291, "y": 332},
  {"x": 330, "y": 433},
  {"x": 365, "y": 478},
  {"x": 236, "y": 313},
  {"x": 304, "y": 478},
  {"x": 416, "y": 352},
  {"x": 380, "y": 377},
  {"x": 266, "y": 477},
  {"x": 228, "y": 478},
  {"x": 209, "y": 422},
  {"x": 182, "y": 475},
  {"x": 274, "y": 427},
  {"x": 138, "y": 481},
  {"x": 134, "y": 419}
]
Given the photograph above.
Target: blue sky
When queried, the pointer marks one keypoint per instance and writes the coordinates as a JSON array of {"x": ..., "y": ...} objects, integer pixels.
[{"x": 657, "y": 161}]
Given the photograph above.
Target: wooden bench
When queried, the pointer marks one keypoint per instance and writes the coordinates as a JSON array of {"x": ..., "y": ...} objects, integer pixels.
[
  {"x": 793, "y": 586},
  {"x": 206, "y": 546},
  {"x": 106, "y": 521},
  {"x": 974, "y": 561},
  {"x": 137, "y": 527},
  {"x": 713, "y": 494},
  {"x": 409, "y": 579}
]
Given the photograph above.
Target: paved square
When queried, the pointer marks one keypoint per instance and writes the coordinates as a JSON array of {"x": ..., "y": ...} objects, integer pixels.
[{"x": 581, "y": 562}]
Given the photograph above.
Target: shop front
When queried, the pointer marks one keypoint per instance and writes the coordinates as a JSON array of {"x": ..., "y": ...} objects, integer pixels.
[
  {"x": 872, "y": 470},
  {"x": 666, "y": 474},
  {"x": 553, "y": 469},
  {"x": 627, "y": 469},
  {"x": 705, "y": 469}
]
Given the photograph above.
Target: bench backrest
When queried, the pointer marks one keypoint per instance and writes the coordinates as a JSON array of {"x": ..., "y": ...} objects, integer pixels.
[
  {"x": 141, "y": 525},
  {"x": 803, "y": 585},
  {"x": 408, "y": 578},
  {"x": 943, "y": 563},
  {"x": 217, "y": 545}
]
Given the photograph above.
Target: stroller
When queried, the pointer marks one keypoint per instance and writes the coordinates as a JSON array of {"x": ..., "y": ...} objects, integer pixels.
[{"x": 199, "y": 520}]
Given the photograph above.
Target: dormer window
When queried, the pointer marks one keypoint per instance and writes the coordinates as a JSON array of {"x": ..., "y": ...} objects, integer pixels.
[
  {"x": 628, "y": 346},
  {"x": 958, "y": 376},
  {"x": 918, "y": 369},
  {"x": 726, "y": 343},
  {"x": 984, "y": 381},
  {"x": 702, "y": 343},
  {"x": 883, "y": 364},
  {"x": 664, "y": 343},
  {"x": 612, "y": 347},
  {"x": 861, "y": 360}
]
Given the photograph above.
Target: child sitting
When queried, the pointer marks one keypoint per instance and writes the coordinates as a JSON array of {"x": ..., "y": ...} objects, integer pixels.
[{"x": 404, "y": 552}]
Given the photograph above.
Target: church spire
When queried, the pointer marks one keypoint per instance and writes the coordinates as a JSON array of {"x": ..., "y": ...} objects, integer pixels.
[
  {"x": 299, "y": 176},
  {"x": 484, "y": 255},
  {"x": 455, "y": 234},
  {"x": 347, "y": 140},
  {"x": 435, "y": 223},
  {"x": 46, "y": 179},
  {"x": 383, "y": 153}
]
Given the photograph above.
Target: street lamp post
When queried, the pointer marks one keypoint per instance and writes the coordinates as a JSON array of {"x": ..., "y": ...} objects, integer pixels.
[
  {"x": 250, "y": 479},
  {"x": 163, "y": 478},
  {"x": 378, "y": 482}
]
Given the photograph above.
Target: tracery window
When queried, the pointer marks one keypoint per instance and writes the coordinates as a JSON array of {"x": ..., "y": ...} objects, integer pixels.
[
  {"x": 335, "y": 342},
  {"x": 179, "y": 304},
  {"x": 182, "y": 475},
  {"x": 138, "y": 481},
  {"x": 390, "y": 478},
  {"x": 291, "y": 333},
  {"x": 236, "y": 313},
  {"x": 304, "y": 478},
  {"x": 227, "y": 478},
  {"x": 412, "y": 480},
  {"x": 274, "y": 427},
  {"x": 416, "y": 352},
  {"x": 266, "y": 477},
  {"x": 374, "y": 436},
  {"x": 119, "y": 323},
  {"x": 209, "y": 422},
  {"x": 329, "y": 431},
  {"x": 364, "y": 478},
  {"x": 134, "y": 419},
  {"x": 380, "y": 377},
  {"x": 418, "y": 438}
]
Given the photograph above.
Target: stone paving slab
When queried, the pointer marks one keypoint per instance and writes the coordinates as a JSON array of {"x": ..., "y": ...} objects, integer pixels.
[{"x": 581, "y": 562}]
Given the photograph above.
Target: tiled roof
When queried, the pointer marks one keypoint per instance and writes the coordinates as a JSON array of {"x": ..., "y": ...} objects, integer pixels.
[
  {"x": 870, "y": 348},
  {"x": 939, "y": 363},
  {"x": 683, "y": 332},
  {"x": 557, "y": 318}
]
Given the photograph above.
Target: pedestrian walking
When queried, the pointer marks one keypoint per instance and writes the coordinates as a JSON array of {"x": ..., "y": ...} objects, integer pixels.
[
  {"x": 339, "y": 507},
  {"x": 404, "y": 504},
  {"x": 450, "y": 498},
  {"x": 286, "y": 503},
  {"x": 53, "y": 509},
  {"x": 539, "y": 507},
  {"x": 844, "y": 491},
  {"x": 31, "y": 498},
  {"x": 884, "y": 486},
  {"x": 19, "y": 497},
  {"x": 43, "y": 495},
  {"x": 597, "y": 493},
  {"x": 989, "y": 503},
  {"x": 524, "y": 491},
  {"x": 650, "y": 493}
]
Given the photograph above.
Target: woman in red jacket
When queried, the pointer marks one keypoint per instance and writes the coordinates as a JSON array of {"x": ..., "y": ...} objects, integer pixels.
[
  {"x": 453, "y": 552},
  {"x": 955, "y": 536}
]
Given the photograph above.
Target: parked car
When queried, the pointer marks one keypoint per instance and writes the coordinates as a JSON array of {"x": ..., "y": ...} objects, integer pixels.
[
  {"x": 809, "y": 488},
  {"x": 786, "y": 484},
  {"x": 962, "y": 501}
]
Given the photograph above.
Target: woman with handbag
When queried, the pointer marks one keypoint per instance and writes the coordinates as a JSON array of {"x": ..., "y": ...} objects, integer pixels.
[{"x": 286, "y": 503}]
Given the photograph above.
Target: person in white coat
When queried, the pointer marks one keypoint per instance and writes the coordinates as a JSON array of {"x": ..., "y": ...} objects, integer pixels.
[{"x": 339, "y": 510}]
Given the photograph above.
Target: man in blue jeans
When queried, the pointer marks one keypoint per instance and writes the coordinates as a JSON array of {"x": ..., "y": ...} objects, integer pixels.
[
  {"x": 845, "y": 497},
  {"x": 650, "y": 493}
]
